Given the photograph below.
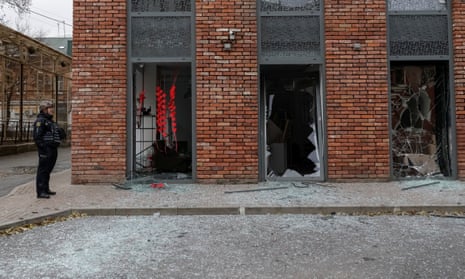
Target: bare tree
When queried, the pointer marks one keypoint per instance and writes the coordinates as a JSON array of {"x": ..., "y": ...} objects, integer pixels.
[
  {"x": 21, "y": 23},
  {"x": 20, "y": 7}
]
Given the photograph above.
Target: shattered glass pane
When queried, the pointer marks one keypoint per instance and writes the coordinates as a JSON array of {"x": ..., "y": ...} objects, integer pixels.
[
  {"x": 290, "y": 94},
  {"x": 419, "y": 117}
]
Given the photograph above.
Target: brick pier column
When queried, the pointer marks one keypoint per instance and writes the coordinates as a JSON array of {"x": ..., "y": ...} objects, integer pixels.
[
  {"x": 357, "y": 90},
  {"x": 227, "y": 92},
  {"x": 98, "y": 144},
  {"x": 458, "y": 37}
]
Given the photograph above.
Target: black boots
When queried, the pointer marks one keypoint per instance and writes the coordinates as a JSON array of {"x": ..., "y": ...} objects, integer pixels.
[
  {"x": 43, "y": 196},
  {"x": 46, "y": 194}
]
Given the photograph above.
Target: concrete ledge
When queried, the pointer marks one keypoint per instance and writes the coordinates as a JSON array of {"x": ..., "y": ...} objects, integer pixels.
[
  {"x": 127, "y": 211},
  {"x": 16, "y": 148},
  {"x": 330, "y": 210},
  {"x": 166, "y": 211},
  {"x": 209, "y": 211}
]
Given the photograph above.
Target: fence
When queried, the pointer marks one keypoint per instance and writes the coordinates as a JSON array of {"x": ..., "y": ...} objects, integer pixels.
[{"x": 13, "y": 132}]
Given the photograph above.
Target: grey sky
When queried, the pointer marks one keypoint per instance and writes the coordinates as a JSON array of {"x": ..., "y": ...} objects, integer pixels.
[{"x": 52, "y": 18}]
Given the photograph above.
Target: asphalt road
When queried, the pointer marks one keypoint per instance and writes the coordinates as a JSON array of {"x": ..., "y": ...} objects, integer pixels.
[
  {"x": 21, "y": 168},
  {"x": 266, "y": 246}
]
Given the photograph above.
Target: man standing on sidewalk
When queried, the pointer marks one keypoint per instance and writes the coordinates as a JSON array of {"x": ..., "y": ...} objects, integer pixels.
[{"x": 47, "y": 136}]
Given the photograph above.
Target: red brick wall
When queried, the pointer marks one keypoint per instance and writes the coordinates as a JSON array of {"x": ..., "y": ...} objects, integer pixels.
[
  {"x": 99, "y": 91},
  {"x": 227, "y": 92},
  {"x": 357, "y": 90},
  {"x": 458, "y": 30}
]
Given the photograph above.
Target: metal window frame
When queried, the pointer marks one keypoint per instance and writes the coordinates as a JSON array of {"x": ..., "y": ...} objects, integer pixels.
[
  {"x": 130, "y": 111},
  {"x": 439, "y": 58},
  {"x": 321, "y": 100}
]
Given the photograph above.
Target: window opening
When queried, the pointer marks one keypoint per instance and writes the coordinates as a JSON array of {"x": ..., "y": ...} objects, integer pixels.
[
  {"x": 163, "y": 121},
  {"x": 292, "y": 147},
  {"x": 419, "y": 118},
  {"x": 419, "y": 51},
  {"x": 161, "y": 50}
]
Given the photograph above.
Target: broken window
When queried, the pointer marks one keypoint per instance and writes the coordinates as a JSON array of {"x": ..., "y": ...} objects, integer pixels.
[
  {"x": 290, "y": 93},
  {"x": 161, "y": 49},
  {"x": 420, "y": 111},
  {"x": 163, "y": 113}
]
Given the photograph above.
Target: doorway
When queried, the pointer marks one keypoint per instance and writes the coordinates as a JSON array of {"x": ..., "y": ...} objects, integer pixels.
[
  {"x": 291, "y": 97},
  {"x": 421, "y": 120},
  {"x": 162, "y": 95}
]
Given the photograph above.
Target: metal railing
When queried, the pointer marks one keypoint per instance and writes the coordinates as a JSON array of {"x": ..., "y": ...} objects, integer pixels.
[{"x": 14, "y": 132}]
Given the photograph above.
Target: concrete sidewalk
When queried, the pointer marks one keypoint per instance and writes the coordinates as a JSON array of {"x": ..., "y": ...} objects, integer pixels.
[
  {"x": 17, "y": 169},
  {"x": 21, "y": 205}
]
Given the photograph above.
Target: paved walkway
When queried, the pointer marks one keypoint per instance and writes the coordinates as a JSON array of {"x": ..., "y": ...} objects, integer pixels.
[
  {"x": 21, "y": 205},
  {"x": 21, "y": 168}
]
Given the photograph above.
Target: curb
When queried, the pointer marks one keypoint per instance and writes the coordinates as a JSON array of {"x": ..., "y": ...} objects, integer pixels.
[{"x": 268, "y": 210}]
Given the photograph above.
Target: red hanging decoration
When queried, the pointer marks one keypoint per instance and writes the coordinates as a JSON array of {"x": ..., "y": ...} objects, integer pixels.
[
  {"x": 172, "y": 109},
  {"x": 163, "y": 118},
  {"x": 140, "y": 108},
  {"x": 161, "y": 112},
  {"x": 141, "y": 100}
]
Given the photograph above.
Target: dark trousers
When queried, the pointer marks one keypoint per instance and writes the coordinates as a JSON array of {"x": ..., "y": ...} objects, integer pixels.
[{"x": 47, "y": 159}]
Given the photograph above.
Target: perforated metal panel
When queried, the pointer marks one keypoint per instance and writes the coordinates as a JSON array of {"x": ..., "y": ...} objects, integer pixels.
[
  {"x": 419, "y": 28},
  {"x": 161, "y": 36},
  {"x": 161, "y": 5},
  {"x": 161, "y": 29},
  {"x": 289, "y": 5},
  {"x": 418, "y": 35},
  {"x": 417, "y": 5},
  {"x": 290, "y": 31},
  {"x": 297, "y": 36}
]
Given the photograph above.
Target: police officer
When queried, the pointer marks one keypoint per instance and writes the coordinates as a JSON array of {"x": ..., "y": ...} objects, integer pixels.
[{"x": 47, "y": 136}]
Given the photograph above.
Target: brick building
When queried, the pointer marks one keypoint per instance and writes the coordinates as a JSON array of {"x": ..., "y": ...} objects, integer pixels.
[
  {"x": 30, "y": 72},
  {"x": 218, "y": 91}
]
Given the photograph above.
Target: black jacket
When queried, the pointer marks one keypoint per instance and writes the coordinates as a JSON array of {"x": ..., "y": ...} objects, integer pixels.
[{"x": 46, "y": 132}]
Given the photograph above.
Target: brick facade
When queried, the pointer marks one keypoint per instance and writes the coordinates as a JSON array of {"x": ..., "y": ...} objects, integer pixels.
[
  {"x": 99, "y": 92},
  {"x": 227, "y": 92},
  {"x": 458, "y": 29},
  {"x": 357, "y": 90}
]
